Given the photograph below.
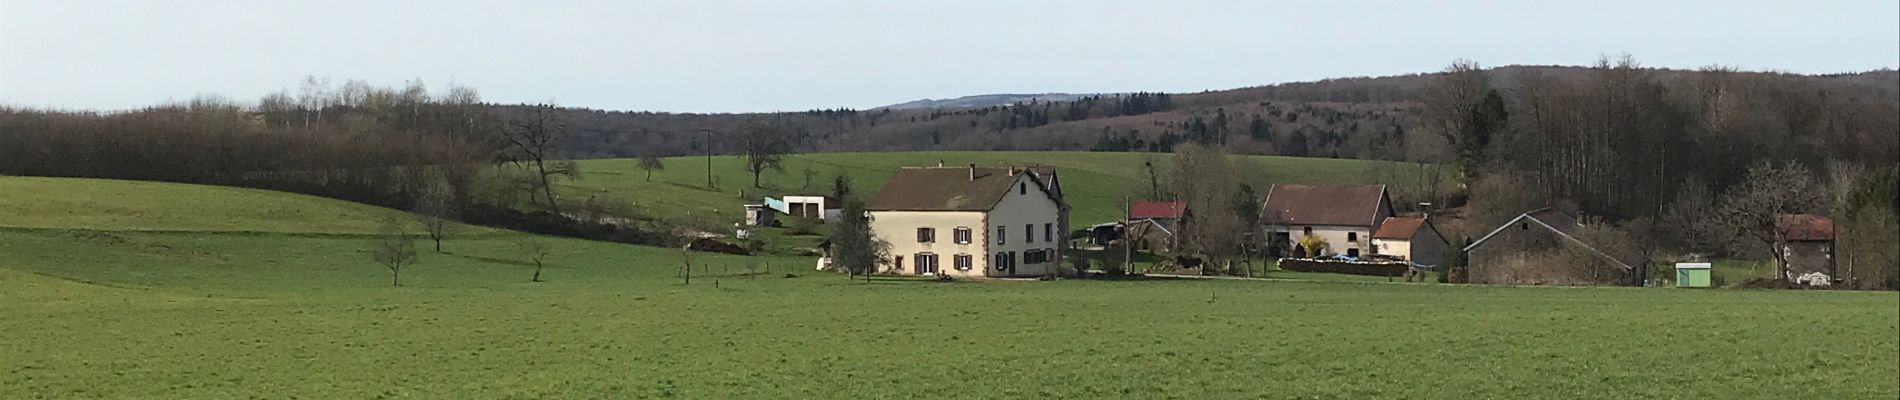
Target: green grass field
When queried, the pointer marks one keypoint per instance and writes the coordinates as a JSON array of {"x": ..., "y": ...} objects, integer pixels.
[
  {"x": 1095, "y": 184},
  {"x": 113, "y": 289}
]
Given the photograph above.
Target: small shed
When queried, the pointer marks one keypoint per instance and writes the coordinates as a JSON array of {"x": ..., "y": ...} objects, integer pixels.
[
  {"x": 760, "y": 215},
  {"x": 1693, "y": 274}
]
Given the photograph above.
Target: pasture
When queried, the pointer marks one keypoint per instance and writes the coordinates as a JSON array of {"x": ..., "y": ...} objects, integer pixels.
[
  {"x": 147, "y": 290},
  {"x": 1095, "y": 184}
]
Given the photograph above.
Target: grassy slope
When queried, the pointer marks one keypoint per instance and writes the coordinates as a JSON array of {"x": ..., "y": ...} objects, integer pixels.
[
  {"x": 1094, "y": 183},
  {"x": 118, "y": 312}
]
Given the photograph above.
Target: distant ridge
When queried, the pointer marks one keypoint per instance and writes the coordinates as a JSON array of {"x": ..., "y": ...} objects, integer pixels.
[{"x": 982, "y": 100}]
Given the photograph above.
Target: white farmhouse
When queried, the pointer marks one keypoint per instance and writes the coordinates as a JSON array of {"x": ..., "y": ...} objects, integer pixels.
[
  {"x": 1346, "y": 216},
  {"x": 968, "y": 222}
]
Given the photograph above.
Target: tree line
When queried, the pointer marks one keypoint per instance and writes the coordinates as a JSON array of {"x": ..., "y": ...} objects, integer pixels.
[{"x": 1695, "y": 162}]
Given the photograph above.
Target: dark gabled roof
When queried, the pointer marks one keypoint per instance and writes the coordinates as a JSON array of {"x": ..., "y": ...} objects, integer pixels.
[
  {"x": 1323, "y": 205},
  {"x": 1398, "y": 228},
  {"x": 1157, "y": 209},
  {"x": 946, "y": 189},
  {"x": 1553, "y": 220},
  {"x": 1805, "y": 227}
]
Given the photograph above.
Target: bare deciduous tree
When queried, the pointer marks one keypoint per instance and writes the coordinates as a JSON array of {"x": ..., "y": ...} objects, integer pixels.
[
  {"x": 853, "y": 246},
  {"x": 532, "y": 139},
  {"x": 1754, "y": 207},
  {"x": 394, "y": 248},
  {"x": 650, "y": 163},
  {"x": 1207, "y": 180},
  {"x": 536, "y": 252},
  {"x": 436, "y": 209},
  {"x": 765, "y": 145}
]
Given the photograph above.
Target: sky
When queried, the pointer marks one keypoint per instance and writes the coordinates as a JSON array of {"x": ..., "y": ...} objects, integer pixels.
[{"x": 752, "y": 56}]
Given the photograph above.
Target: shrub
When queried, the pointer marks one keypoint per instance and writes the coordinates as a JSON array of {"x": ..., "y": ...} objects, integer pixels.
[{"x": 1344, "y": 267}]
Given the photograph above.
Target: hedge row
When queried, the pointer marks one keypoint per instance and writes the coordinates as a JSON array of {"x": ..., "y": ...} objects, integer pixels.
[{"x": 1393, "y": 269}]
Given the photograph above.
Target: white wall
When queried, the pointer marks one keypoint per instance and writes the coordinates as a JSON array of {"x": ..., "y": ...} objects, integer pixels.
[
  {"x": 1335, "y": 236},
  {"x": 1392, "y": 247},
  {"x": 899, "y": 229},
  {"x": 1025, "y": 205}
]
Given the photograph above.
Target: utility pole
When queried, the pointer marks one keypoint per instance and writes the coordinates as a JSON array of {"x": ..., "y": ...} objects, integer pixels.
[
  {"x": 709, "y": 179},
  {"x": 1128, "y": 245}
]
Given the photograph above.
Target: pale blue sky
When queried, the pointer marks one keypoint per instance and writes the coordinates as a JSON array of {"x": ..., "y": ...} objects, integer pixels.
[{"x": 722, "y": 56}]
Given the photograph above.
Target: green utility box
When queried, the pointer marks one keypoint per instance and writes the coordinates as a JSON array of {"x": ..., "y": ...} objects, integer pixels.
[{"x": 1692, "y": 274}]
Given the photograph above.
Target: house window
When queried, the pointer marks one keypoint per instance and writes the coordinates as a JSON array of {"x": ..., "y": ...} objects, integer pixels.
[
  {"x": 1352, "y": 236},
  {"x": 1002, "y": 262},
  {"x": 962, "y": 235},
  {"x": 1049, "y": 232},
  {"x": 1022, "y": 188},
  {"x": 962, "y": 262},
  {"x": 1039, "y": 256},
  {"x": 1029, "y": 233},
  {"x": 926, "y": 235},
  {"x": 926, "y": 263},
  {"x": 1307, "y": 230},
  {"x": 1000, "y": 231},
  {"x": 1352, "y": 252}
]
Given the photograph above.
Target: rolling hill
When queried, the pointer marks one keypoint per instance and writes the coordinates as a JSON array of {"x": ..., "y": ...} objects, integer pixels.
[
  {"x": 1095, "y": 183},
  {"x": 983, "y": 100},
  {"x": 117, "y": 289}
]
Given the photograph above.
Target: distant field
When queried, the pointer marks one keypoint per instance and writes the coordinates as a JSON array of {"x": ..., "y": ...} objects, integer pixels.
[
  {"x": 175, "y": 307},
  {"x": 1094, "y": 183}
]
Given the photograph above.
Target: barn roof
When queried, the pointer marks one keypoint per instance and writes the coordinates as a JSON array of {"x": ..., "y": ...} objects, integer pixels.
[
  {"x": 1553, "y": 220},
  {"x": 1157, "y": 209},
  {"x": 946, "y": 189},
  {"x": 1398, "y": 228},
  {"x": 1323, "y": 205},
  {"x": 1805, "y": 227}
]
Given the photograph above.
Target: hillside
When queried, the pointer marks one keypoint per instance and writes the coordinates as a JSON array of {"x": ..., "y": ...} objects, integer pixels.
[
  {"x": 982, "y": 100},
  {"x": 147, "y": 302},
  {"x": 224, "y": 241},
  {"x": 1095, "y": 183},
  {"x": 1344, "y": 117}
]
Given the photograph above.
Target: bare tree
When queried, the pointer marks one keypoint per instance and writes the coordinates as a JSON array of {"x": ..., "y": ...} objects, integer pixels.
[
  {"x": 765, "y": 145},
  {"x": 1207, "y": 180},
  {"x": 1754, "y": 207},
  {"x": 436, "y": 209},
  {"x": 394, "y": 248},
  {"x": 686, "y": 264},
  {"x": 537, "y": 252},
  {"x": 853, "y": 246},
  {"x": 532, "y": 138},
  {"x": 650, "y": 163}
]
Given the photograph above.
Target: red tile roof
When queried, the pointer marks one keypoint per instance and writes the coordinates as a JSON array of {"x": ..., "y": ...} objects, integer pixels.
[
  {"x": 1157, "y": 209},
  {"x": 1805, "y": 227},
  {"x": 1398, "y": 228},
  {"x": 1323, "y": 205}
]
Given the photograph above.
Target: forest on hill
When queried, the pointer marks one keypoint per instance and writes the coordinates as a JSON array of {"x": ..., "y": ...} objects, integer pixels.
[
  {"x": 1676, "y": 157},
  {"x": 1345, "y": 118}
]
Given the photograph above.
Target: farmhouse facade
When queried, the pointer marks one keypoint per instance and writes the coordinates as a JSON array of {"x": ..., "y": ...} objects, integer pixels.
[
  {"x": 968, "y": 222},
  {"x": 1345, "y": 216},
  {"x": 1414, "y": 240}
]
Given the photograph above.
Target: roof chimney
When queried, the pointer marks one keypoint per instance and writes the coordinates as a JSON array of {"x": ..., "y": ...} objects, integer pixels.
[{"x": 972, "y": 171}]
